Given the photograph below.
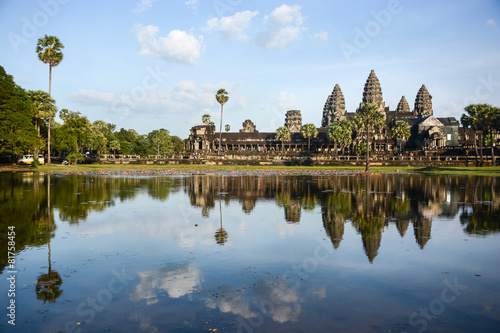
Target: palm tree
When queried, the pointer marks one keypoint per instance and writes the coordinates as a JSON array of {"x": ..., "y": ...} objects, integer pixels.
[
  {"x": 400, "y": 130},
  {"x": 282, "y": 134},
  {"x": 309, "y": 131},
  {"x": 221, "y": 97},
  {"x": 340, "y": 132},
  {"x": 49, "y": 51},
  {"x": 205, "y": 118},
  {"x": 366, "y": 120},
  {"x": 43, "y": 106}
]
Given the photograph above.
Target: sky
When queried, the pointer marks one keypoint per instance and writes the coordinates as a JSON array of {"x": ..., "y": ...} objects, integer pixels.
[{"x": 151, "y": 64}]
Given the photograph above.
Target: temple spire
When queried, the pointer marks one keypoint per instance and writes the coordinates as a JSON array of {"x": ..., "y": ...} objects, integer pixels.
[
  {"x": 423, "y": 103},
  {"x": 403, "y": 105},
  {"x": 334, "y": 109},
  {"x": 372, "y": 92}
]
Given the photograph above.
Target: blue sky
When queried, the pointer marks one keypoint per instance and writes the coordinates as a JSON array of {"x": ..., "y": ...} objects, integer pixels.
[{"x": 150, "y": 64}]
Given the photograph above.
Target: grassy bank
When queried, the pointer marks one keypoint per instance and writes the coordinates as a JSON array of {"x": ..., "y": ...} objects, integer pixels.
[{"x": 479, "y": 171}]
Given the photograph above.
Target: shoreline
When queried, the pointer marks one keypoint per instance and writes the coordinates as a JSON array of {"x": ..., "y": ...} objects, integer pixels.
[{"x": 238, "y": 169}]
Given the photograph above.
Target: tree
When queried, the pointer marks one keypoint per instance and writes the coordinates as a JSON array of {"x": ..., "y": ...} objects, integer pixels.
[
  {"x": 283, "y": 134},
  {"x": 178, "y": 144},
  {"x": 205, "y": 119},
  {"x": 17, "y": 133},
  {"x": 221, "y": 97},
  {"x": 227, "y": 128},
  {"x": 367, "y": 119},
  {"x": 114, "y": 145},
  {"x": 161, "y": 141},
  {"x": 488, "y": 116},
  {"x": 309, "y": 131},
  {"x": 43, "y": 107},
  {"x": 471, "y": 121},
  {"x": 49, "y": 51},
  {"x": 340, "y": 132},
  {"x": 74, "y": 135},
  {"x": 400, "y": 130}
]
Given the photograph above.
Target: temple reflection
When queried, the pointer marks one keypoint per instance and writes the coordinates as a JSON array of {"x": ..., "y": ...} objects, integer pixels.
[{"x": 368, "y": 204}]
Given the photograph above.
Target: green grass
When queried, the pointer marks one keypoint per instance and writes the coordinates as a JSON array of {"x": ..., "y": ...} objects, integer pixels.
[
  {"x": 486, "y": 171},
  {"x": 478, "y": 171}
]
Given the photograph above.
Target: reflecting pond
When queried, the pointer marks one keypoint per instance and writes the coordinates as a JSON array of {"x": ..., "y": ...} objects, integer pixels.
[{"x": 251, "y": 253}]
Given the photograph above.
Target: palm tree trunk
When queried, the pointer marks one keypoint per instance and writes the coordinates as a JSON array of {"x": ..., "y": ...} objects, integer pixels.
[
  {"x": 367, "y": 150},
  {"x": 481, "y": 142},
  {"x": 475, "y": 146},
  {"x": 50, "y": 117},
  {"x": 492, "y": 148},
  {"x": 220, "y": 129}
]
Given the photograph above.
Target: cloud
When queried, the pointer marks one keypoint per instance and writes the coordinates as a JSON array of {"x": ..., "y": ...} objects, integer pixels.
[
  {"x": 143, "y": 5},
  {"x": 491, "y": 23},
  {"x": 231, "y": 28},
  {"x": 21, "y": 80},
  {"x": 193, "y": 4},
  {"x": 285, "y": 101},
  {"x": 177, "y": 281},
  {"x": 185, "y": 99},
  {"x": 282, "y": 27},
  {"x": 322, "y": 35},
  {"x": 177, "y": 46}
]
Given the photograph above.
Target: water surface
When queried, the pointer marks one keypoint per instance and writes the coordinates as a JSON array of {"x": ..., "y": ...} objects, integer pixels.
[{"x": 273, "y": 253}]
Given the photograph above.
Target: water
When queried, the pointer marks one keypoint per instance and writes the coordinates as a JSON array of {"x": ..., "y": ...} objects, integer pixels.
[{"x": 271, "y": 253}]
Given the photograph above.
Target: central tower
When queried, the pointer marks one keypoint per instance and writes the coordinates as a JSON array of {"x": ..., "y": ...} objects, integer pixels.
[{"x": 373, "y": 93}]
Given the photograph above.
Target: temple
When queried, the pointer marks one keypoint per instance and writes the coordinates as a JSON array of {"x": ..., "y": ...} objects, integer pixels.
[{"x": 427, "y": 131}]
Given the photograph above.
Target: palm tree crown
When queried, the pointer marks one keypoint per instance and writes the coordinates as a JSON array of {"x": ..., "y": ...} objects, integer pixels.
[{"x": 221, "y": 97}]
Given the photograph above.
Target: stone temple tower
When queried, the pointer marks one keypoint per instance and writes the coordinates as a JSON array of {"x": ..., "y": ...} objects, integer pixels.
[
  {"x": 423, "y": 103},
  {"x": 403, "y": 105},
  {"x": 293, "y": 120},
  {"x": 334, "y": 109},
  {"x": 373, "y": 93}
]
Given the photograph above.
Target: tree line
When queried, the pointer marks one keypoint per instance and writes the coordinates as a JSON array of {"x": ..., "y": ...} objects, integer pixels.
[{"x": 27, "y": 122}]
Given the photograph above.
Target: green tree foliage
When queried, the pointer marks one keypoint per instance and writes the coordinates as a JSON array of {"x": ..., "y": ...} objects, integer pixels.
[
  {"x": 309, "y": 131},
  {"x": 49, "y": 50},
  {"x": 43, "y": 107},
  {"x": 17, "y": 133},
  {"x": 75, "y": 134},
  {"x": 484, "y": 120},
  {"x": 400, "y": 130},
  {"x": 367, "y": 120},
  {"x": 205, "y": 119},
  {"x": 340, "y": 132},
  {"x": 178, "y": 144},
  {"x": 114, "y": 145},
  {"x": 221, "y": 97},
  {"x": 162, "y": 141},
  {"x": 283, "y": 134}
]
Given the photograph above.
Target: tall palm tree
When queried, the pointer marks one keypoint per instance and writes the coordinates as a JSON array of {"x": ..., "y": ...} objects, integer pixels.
[
  {"x": 367, "y": 119},
  {"x": 283, "y": 134},
  {"x": 400, "y": 130},
  {"x": 221, "y": 97},
  {"x": 309, "y": 131},
  {"x": 49, "y": 50}
]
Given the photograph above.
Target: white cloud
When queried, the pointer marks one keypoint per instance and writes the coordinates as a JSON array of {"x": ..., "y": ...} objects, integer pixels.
[
  {"x": 177, "y": 281},
  {"x": 143, "y": 5},
  {"x": 193, "y": 4},
  {"x": 322, "y": 35},
  {"x": 177, "y": 46},
  {"x": 231, "y": 28},
  {"x": 491, "y": 23},
  {"x": 282, "y": 27},
  {"x": 285, "y": 101}
]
